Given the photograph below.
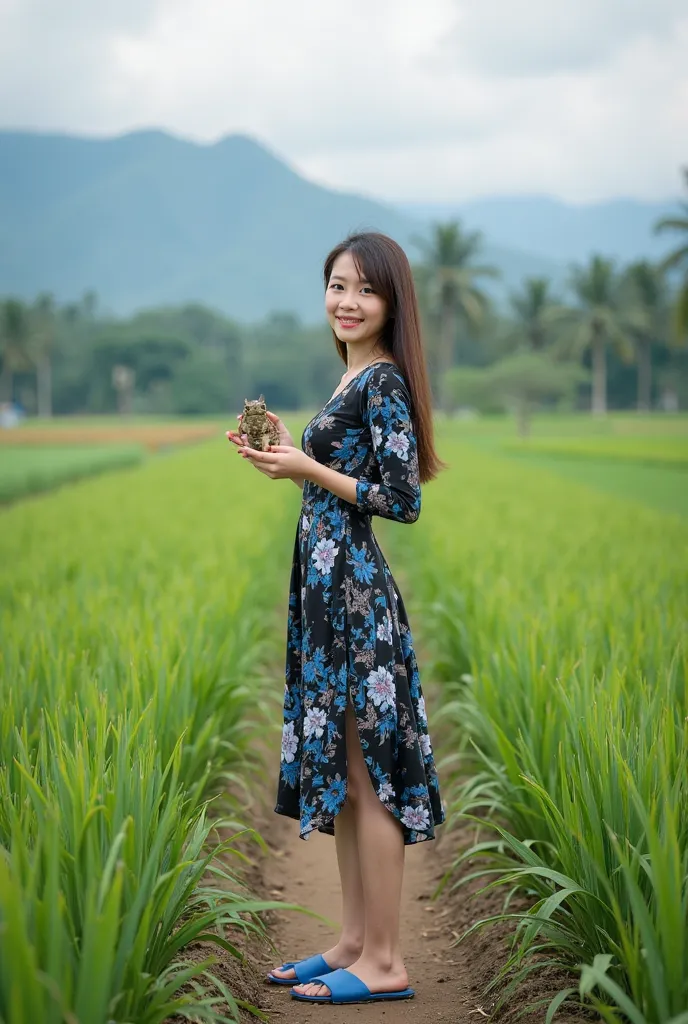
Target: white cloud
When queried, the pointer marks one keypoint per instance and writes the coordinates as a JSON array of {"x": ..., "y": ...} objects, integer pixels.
[
  {"x": 445, "y": 99},
  {"x": 539, "y": 37}
]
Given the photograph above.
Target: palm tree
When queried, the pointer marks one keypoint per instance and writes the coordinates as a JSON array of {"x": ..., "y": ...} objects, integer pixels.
[
  {"x": 536, "y": 311},
  {"x": 678, "y": 259},
  {"x": 646, "y": 289},
  {"x": 42, "y": 339},
  {"x": 596, "y": 320},
  {"x": 452, "y": 289},
  {"x": 13, "y": 344}
]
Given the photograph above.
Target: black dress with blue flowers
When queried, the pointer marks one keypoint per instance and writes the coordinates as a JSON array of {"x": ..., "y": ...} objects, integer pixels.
[{"x": 348, "y": 635}]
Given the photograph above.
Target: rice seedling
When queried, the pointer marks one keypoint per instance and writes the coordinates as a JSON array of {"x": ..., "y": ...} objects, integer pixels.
[
  {"x": 25, "y": 471},
  {"x": 138, "y": 623},
  {"x": 671, "y": 451},
  {"x": 557, "y": 620}
]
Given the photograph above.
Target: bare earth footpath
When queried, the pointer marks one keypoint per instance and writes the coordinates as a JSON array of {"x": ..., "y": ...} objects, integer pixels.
[
  {"x": 449, "y": 980},
  {"x": 307, "y": 873}
]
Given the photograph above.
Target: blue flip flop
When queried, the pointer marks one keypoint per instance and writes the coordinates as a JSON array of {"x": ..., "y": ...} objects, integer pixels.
[
  {"x": 304, "y": 970},
  {"x": 345, "y": 987}
]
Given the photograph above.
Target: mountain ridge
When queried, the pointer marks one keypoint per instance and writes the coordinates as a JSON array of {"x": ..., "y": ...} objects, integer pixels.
[{"x": 147, "y": 218}]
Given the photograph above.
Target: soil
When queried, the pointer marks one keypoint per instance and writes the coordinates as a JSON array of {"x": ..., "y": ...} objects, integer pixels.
[{"x": 450, "y": 981}]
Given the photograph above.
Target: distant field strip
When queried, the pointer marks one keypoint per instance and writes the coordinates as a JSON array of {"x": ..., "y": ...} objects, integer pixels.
[
  {"x": 556, "y": 618},
  {"x": 25, "y": 471},
  {"x": 670, "y": 451},
  {"x": 91, "y": 432},
  {"x": 137, "y": 615}
]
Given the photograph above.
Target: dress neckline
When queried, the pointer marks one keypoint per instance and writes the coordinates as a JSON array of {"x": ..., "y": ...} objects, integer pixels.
[{"x": 356, "y": 376}]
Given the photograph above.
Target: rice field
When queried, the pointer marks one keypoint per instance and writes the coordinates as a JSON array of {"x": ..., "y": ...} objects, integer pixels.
[
  {"x": 670, "y": 451},
  {"x": 142, "y": 616},
  {"x": 24, "y": 472},
  {"x": 137, "y": 613},
  {"x": 40, "y": 455},
  {"x": 556, "y": 618}
]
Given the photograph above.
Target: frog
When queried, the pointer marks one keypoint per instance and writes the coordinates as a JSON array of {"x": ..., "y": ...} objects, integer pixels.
[{"x": 260, "y": 431}]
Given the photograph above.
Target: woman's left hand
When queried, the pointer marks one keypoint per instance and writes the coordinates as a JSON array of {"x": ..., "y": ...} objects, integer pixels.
[{"x": 280, "y": 461}]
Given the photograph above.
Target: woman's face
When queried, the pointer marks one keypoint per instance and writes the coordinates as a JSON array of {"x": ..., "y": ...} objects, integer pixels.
[{"x": 356, "y": 314}]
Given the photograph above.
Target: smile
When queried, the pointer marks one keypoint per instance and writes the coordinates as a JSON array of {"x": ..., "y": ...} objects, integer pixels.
[{"x": 348, "y": 321}]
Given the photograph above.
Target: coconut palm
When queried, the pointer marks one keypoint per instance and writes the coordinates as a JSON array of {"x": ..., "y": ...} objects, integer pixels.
[
  {"x": 536, "y": 312},
  {"x": 596, "y": 320},
  {"x": 453, "y": 294},
  {"x": 678, "y": 259},
  {"x": 41, "y": 341},
  {"x": 646, "y": 289},
  {"x": 14, "y": 332}
]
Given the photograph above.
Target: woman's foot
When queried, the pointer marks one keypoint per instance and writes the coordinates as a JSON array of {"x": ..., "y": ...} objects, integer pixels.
[
  {"x": 340, "y": 955},
  {"x": 377, "y": 976}
]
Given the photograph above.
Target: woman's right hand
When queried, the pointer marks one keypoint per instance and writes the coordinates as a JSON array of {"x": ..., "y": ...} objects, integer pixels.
[{"x": 284, "y": 435}]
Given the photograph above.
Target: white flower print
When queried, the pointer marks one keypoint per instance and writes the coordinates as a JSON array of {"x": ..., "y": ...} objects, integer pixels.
[
  {"x": 324, "y": 556},
  {"x": 314, "y": 722},
  {"x": 421, "y": 710},
  {"x": 381, "y": 688},
  {"x": 384, "y": 630},
  {"x": 290, "y": 742},
  {"x": 347, "y": 630},
  {"x": 416, "y": 817},
  {"x": 386, "y": 792},
  {"x": 399, "y": 444}
]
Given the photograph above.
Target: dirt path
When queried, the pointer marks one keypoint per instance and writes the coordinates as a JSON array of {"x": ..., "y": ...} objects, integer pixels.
[
  {"x": 306, "y": 872},
  {"x": 450, "y": 981}
]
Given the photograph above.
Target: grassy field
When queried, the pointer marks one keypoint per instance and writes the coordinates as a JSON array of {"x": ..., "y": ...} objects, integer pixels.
[
  {"x": 642, "y": 458},
  {"x": 44, "y": 454},
  {"x": 652, "y": 451},
  {"x": 153, "y": 436},
  {"x": 24, "y": 472},
  {"x": 555, "y": 614},
  {"x": 137, "y": 612}
]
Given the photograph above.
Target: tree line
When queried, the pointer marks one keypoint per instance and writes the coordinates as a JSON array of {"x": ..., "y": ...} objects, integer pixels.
[{"x": 618, "y": 331}]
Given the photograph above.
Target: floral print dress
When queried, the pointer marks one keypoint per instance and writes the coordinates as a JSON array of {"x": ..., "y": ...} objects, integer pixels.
[{"x": 348, "y": 636}]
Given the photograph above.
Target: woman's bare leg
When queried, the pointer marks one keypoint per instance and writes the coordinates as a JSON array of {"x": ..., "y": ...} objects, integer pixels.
[
  {"x": 381, "y": 857},
  {"x": 348, "y": 948}
]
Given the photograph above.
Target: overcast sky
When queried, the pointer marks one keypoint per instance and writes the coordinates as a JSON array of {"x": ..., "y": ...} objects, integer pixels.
[{"x": 399, "y": 99}]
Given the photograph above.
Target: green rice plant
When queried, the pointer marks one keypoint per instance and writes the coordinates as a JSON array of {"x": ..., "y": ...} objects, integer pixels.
[
  {"x": 556, "y": 618},
  {"x": 102, "y": 885},
  {"x": 27, "y": 469},
  {"x": 672, "y": 451},
  {"x": 138, "y": 621}
]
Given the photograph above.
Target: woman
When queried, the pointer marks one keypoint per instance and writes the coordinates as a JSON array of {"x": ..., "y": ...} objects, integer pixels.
[{"x": 357, "y": 760}]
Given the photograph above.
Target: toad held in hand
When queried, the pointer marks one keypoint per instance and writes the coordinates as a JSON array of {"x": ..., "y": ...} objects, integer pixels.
[{"x": 255, "y": 423}]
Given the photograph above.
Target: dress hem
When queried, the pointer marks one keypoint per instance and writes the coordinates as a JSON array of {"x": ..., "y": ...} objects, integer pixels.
[{"x": 327, "y": 828}]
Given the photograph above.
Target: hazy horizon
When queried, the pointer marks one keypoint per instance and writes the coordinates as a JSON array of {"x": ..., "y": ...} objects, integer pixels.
[{"x": 582, "y": 101}]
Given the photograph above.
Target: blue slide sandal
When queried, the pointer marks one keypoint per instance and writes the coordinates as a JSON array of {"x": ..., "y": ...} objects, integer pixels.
[
  {"x": 305, "y": 970},
  {"x": 345, "y": 987}
]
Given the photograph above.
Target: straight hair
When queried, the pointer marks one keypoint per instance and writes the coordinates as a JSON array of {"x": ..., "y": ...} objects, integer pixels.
[{"x": 384, "y": 265}]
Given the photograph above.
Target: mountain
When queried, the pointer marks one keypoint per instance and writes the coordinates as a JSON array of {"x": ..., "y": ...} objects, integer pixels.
[
  {"x": 555, "y": 230},
  {"x": 147, "y": 218}
]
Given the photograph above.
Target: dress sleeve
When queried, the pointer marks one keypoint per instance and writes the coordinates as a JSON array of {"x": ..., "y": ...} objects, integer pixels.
[{"x": 386, "y": 406}]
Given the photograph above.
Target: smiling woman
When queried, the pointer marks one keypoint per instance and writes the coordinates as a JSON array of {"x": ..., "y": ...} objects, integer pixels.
[
  {"x": 356, "y": 760},
  {"x": 353, "y": 308}
]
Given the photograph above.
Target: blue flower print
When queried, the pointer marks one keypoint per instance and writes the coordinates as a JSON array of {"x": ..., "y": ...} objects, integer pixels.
[
  {"x": 334, "y": 795},
  {"x": 363, "y": 566},
  {"x": 348, "y": 636}
]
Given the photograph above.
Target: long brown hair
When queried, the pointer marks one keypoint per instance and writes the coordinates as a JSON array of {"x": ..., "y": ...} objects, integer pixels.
[{"x": 383, "y": 263}]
